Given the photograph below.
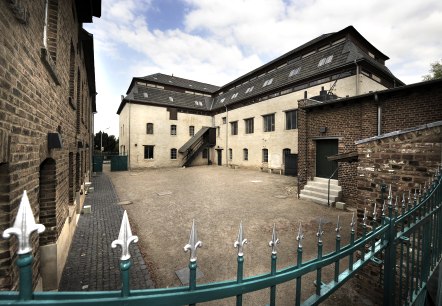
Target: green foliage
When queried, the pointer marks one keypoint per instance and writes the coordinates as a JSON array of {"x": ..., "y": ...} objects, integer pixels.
[
  {"x": 110, "y": 143},
  {"x": 435, "y": 71}
]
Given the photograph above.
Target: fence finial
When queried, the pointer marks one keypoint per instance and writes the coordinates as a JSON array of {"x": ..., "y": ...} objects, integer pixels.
[
  {"x": 240, "y": 241},
  {"x": 338, "y": 227},
  {"x": 125, "y": 238},
  {"x": 353, "y": 222},
  {"x": 383, "y": 209},
  {"x": 364, "y": 219},
  {"x": 274, "y": 240},
  {"x": 375, "y": 212},
  {"x": 300, "y": 236},
  {"x": 193, "y": 244},
  {"x": 390, "y": 198},
  {"x": 320, "y": 231},
  {"x": 24, "y": 225}
]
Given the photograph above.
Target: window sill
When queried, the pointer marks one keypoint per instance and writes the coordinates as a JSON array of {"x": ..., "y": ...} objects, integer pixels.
[
  {"x": 71, "y": 103},
  {"x": 49, "y": 64}
]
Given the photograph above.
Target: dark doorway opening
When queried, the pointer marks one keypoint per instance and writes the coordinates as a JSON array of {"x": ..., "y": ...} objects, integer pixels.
[
  {"x": 220, "y": 156},
  {"x": 291, "y": 164},
  {"x": 325, "y": 167}
]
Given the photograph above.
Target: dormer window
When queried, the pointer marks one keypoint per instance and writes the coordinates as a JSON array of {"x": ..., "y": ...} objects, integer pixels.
[
  {"x": 267, "y": 82},
  {"x": 325, "y": 60},
  {"x": 250, "y": 89},
  {"x": 294, "y": 72},
  {"x": 234, "y": 95}
]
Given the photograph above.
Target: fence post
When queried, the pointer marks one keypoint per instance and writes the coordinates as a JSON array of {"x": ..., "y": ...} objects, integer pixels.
[
  {"x": 273, "y": 244},
  {"x": 192, "y": 246},
  {"x": 390, "y": 257},
  {"x": 239, "y": 243},
  {"x": 299, "y": 238}
]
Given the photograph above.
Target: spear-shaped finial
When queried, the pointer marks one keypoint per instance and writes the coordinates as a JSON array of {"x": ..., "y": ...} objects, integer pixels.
[
  {"x": 409, "y": 199},
  {"x": 390, "y": 198},
  {"x": 274, "y": 240},
  {"x": 396, "y": 205},
  {"x": 338, "y": 228},
  {"x": 300, "y": 236},
  {"x": 383, "y": 209},
  {"x": 24, "y": 225},
  {"x": 320, "y": 231},
  {"x": 125, "y": 238},
  {"x": 193, "y": 244},
  {"x": 364, "y": 219},
  {"x": 240, "y": 241},
  {"x": 353, "y": 222},
  {"x": 403, "y": 202},
  {"x": 375, "y": 212}
]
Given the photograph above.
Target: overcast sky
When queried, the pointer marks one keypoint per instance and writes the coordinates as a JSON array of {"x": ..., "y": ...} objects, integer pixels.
[{"x": 216, "y": 41}]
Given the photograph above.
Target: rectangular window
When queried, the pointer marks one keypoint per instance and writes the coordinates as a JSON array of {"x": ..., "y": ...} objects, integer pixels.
[
  {"x": 148, "y": 152},
  {"x": 224, "y": 120},
  {"x": 249, "y": 125},
  {"x": 265, "y": 155},
  {"x": 173, "y": 113},
  {"x": 234, "y": 127},
  {"x": 149, "y": 128},
  {"x": 191, "y": 130},
  {"x": 205, "y": 153},
  {"x": 173, "y": 153},
  {"x": 50, "y": 29},
  {"x": 291, "y": 120},
  {"x": 230, "y": 154},
  {"x": 269, "y": 123},
  {"x": 173, "y": 129},
  {"x": 246, "y": 154}
]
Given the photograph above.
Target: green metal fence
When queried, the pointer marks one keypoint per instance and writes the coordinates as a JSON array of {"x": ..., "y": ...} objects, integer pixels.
[{"x": 405, "y": 238}]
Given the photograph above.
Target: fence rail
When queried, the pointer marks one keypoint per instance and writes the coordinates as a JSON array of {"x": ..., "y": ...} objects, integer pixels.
[{"x": 404, "y": 238}]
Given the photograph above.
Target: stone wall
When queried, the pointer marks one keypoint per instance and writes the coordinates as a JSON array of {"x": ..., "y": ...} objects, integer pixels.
[
  {"x": 34, "y": 101},
  {"x": 356, "y": 118},
  {"x": 405, "y": 160}
]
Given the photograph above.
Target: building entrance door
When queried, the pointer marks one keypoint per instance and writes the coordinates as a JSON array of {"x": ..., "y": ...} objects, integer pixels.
[
  {"x": 325, "y": 167},
  {"x": 220, "y": 156},
  {"x": 291, "y": 164}
]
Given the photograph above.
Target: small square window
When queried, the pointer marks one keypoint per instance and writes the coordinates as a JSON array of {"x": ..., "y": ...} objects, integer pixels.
[
  {"x": 224, "y": 120},
  {"x": 149, "y": 128},
  {"x": 173, "y": 153}
]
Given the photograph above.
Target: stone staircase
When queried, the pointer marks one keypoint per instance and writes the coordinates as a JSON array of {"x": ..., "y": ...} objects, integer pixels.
[{"x": 316, "y": 191}]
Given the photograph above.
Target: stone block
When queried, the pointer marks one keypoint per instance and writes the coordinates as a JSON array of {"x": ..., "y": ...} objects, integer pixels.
[{"x": 340, "y": 205}]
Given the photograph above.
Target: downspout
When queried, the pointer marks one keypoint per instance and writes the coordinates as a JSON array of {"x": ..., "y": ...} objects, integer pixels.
[
  {"x": 128, "y": 147},
  {"x": 227, "y": 136},
  {"x": 357, "y": 78},
  {"x": 379, "y": 123}
]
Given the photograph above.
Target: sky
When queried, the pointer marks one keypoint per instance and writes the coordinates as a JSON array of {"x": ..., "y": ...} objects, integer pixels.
[{"x": 216, "y": 41}]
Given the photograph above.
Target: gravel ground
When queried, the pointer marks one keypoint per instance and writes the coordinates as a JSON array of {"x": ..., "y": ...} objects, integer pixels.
[{"x": 165, "y": 201}]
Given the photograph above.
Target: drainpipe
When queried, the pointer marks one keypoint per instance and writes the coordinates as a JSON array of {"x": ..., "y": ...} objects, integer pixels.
[
  {"x": 376, "y": 99},
  {"x": 357, "y": 78},
  {"x": 128, "y": 147},
  {"x": 227, "y": 136}
]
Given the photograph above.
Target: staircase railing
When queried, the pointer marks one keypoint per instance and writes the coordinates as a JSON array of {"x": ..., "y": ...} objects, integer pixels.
[{"x": 328, "y": 191}]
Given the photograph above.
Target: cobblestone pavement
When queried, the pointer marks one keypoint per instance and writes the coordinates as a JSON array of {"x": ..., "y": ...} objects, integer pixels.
[{"x": 92, "y": 264}]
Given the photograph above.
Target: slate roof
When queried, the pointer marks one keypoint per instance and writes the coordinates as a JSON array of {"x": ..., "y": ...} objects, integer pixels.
[
  {"x": 344, "y": 54},
  {"x": 180, "y": 82}
]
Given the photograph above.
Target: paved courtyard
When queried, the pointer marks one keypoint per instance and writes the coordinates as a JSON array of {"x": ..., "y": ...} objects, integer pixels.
[{"x": 165, "y": 201}]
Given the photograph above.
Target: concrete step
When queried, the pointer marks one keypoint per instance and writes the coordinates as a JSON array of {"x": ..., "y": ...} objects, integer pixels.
[
  {"x": 325, "y": 180},
  {"x": 322, "y": 195},
  {"x": 323, "y": 189},
  {"x": 314, "y": 199}
]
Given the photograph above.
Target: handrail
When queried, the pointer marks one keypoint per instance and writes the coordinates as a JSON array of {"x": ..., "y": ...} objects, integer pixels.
[{"x": 328, "y": 191}]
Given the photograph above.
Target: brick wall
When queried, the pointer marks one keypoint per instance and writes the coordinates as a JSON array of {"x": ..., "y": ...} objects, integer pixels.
[
  {"x": 406, "y": 161},
  {"x": 356, "y": 118},
  {"x": 34, "y": 100}
]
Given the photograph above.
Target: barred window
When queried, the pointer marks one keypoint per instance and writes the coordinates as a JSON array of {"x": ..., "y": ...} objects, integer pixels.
[
  {"x": 191, "y": 130},
  {"x": 173, "y": 153}
]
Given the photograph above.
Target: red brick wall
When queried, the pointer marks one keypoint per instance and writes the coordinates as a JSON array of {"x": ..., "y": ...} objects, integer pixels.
[
  {"x": 356, "y": 119},
  {"x": 405, "y": 161},
  {"x": 32, "y": 104}
]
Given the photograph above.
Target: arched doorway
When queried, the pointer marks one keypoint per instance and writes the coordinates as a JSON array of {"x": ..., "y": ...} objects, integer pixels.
[{"x": 47, "y": 201}]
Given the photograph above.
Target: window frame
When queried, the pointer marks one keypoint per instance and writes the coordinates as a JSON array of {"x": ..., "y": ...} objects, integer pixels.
[
  {"x": 249, "y": 124},
  {"x": 230, "y": 154},
  {"x": 149, "y": 131},
  {"x": 234, "y": 127},
  {"x": 150, "y": 151},
  {"x": 245, "y": 153},
  {"x": 265, "y": 155},
  {"x": 173, "y": 130},
  {"x": 287, "y": 113},
  {"x": 173, "y": 152},
  {"x": 269, "y": 127},
  {"x": 191, "y": 130}
]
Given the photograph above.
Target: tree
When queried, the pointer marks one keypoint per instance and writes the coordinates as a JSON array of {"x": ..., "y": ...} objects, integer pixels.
[
  {"x": 435, "y": 71},
  {"x": 110, "y": 143}
]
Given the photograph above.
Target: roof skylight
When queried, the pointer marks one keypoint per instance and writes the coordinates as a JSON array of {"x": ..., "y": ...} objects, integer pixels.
[
  {"x": 234, "y": 95},
  {"x": 222, "y": 100},
  {"x": 267, "y": 82},
  {"x": 145, "y": 95},
  {"x": 294, "y": 72},
  {"x": 250, "y": 89},
  {"x": 325, "y": 60},
  {"x": 171, "y": 99}
]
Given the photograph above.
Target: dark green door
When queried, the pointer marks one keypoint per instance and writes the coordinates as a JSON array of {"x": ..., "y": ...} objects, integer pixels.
[{"x": 324, "y": 148}]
